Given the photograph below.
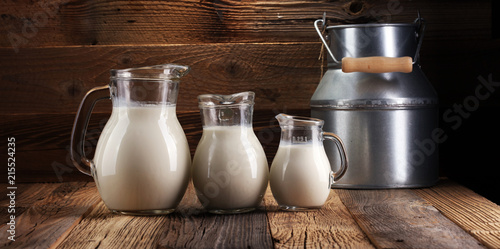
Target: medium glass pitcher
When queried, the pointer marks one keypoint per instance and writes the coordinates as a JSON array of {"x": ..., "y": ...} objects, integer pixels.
[
  {"x": 230, "y": 169},
  {"x": 142, "y": 159},
  {"x": 301, "y": 176}
]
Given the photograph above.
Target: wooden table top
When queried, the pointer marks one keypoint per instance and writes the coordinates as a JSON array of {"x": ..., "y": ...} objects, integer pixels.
[{"x": 72, "y": 215}]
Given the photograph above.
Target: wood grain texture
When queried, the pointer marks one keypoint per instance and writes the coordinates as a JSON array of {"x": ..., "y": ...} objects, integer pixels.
[
  {"x": 28, "y": 194},
  {"x": 472, "y": 212},
  {"x": 188, "y": 227},
  {"x": 72, "y": 215},
  {"x": 49, "y": 219},
  {"x": 103, "y": 229},
  {"x": 398, "y": 218},
  {"x": 332, "y": 226},
  {"x": 192, "y": 227},
  {"x": 54, "y": 80},
  {"x": 25, "y": 196},
  {"x": 97, "y": 22}
]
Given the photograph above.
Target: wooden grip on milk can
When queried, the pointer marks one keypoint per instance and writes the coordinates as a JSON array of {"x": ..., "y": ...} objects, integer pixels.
[{"x": 377, "y": 64}]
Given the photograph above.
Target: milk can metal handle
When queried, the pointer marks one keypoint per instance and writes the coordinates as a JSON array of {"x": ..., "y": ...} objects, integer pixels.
[
  {"x": 376, "y": 64},
  {"x": 420, "y": 36},
  {"x": 323, "y": 21},
  {"x": 77, "y": 151},
  {"x": 344, "y": 163}
]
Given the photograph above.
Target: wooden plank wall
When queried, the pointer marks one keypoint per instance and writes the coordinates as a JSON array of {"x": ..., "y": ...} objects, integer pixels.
[{"x": 52, "y": 52}]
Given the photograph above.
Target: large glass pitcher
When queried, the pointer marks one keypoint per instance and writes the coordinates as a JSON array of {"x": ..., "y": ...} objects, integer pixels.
[
  {"x": 142, "y": 159},
  {"x": 230, "y": 169}
]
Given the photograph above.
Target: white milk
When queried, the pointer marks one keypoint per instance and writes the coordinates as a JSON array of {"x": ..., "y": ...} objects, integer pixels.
[
  {"x": 300, "y": 176},
  {"x": 142, "y": 159},
  {"x": 230, "y": 169}
]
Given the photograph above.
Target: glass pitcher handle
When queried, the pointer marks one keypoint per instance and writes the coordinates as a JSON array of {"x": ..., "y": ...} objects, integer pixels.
[
  {"x": 335, "y": 176},
  {"x": 79, "y": 131}
]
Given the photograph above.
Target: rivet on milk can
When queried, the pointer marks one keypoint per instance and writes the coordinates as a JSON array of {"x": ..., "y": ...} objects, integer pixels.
[{"x": 379, "y": 101}]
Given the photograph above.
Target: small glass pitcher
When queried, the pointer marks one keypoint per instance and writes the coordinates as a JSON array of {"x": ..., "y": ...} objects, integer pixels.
[
  {"x": 301, "y": 176},
  {"x": 142, "y": 159},
  {"x": 230, "y": 169}
]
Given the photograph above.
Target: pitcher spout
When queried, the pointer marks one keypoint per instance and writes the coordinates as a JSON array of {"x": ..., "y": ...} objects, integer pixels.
[
  {"x": 227, "y": 110},
  {"x": 289, "y": 121},
  {"x": 175, "y": 71}
]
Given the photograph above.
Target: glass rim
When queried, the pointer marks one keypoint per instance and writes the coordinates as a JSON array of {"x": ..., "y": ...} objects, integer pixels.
[
  {"x": 152, "y": 73},
  {"x": 226, "y": 101},
  {"x": 298, "y": 121}
]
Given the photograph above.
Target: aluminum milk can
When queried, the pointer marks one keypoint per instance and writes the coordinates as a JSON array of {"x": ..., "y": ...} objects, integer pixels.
[{"x": 380, "y": 103}]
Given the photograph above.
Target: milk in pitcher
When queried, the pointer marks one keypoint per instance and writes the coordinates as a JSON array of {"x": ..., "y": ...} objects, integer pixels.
[
  {"x": 300, "y": 175},
  {"x": 230, "y": 169},
  {"x": 144, "y": 159}
]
